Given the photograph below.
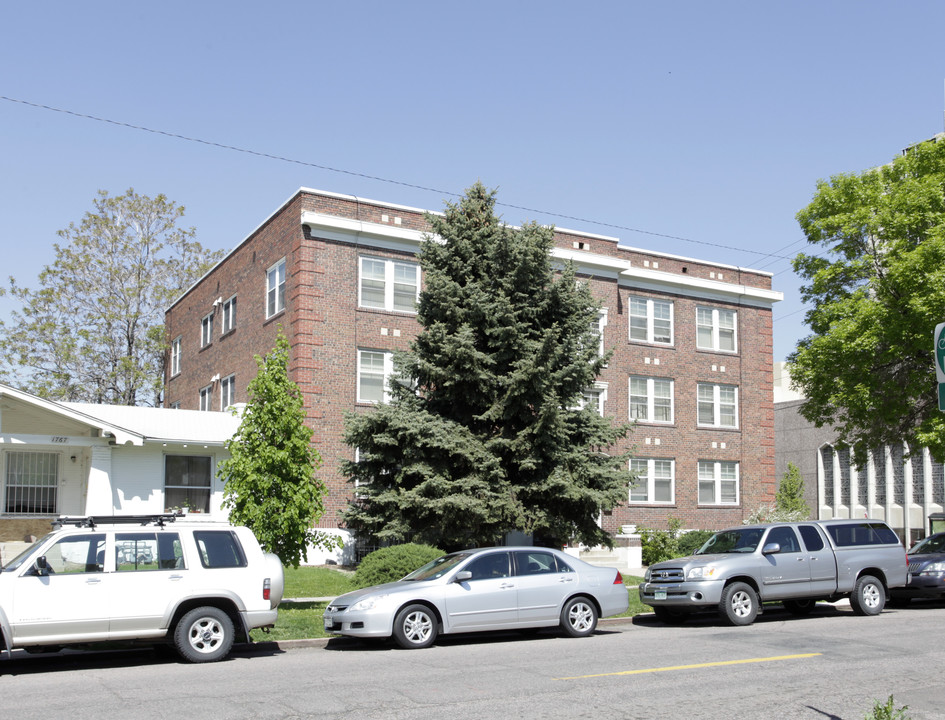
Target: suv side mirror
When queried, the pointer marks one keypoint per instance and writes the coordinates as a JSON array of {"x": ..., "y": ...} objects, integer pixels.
[
  {"x": 41, "y": 566},
  {"x": 462, "y": 576},
  {"x": 771, "y": 549}
]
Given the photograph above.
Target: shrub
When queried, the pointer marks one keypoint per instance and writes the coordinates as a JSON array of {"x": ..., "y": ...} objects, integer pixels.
[
  {"x": 659, "y": 545},
  {"x": 392, "y": 563},
  {"x": 691, "y": 541}
]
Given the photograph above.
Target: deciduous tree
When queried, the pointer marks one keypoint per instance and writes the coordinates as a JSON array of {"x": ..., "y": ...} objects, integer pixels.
[
  {"x": 877, "y": 289},
  {"x": 93, "y": 331},
  {"x": 484, "y": 433},
  {"x": 270, "y": 483}
]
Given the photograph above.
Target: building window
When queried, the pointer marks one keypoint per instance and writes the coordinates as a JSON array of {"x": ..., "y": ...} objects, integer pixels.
[
  {"x": 718, "y": 405},
  {"x": 715, "y": 329},
  {"x": 593, "y": 398},
  {"x": 187, "y": 482},
  {"x": 597, "y": 327},
  {"x": 32, "y": 483},
  {"x": 206, "y": 395},
  {"x": 229, "y": 316},
  {"x": 655, "y": 481},
  {"x": 175, "y": 356},
  {"x": 389, "y": 284},
  {"x": 651, "y": 321},
  {"x": 175, "y": 405},
  {"x": 651, "y": 399},
  {"x": 206, "y": 330},
  {"x": 718, "y": 483},
  {"x": 375, "y": 368},
  {"x": 227, "y": 392},
  {"x": 275, "y": 289}
]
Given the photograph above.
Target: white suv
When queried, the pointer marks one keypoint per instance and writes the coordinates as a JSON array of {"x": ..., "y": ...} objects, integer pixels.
[{"x": 196, "y": 584}]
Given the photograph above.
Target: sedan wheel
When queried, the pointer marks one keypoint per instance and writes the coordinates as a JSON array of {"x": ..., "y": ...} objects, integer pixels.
[
  {"x": 578, "y": 617},
  {"x": 415, "y": 627}
]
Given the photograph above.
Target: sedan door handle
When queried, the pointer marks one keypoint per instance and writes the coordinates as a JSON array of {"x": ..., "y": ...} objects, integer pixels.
[
  {"x": 506, "y": 586},
  {"x": 93, "y": 581},
  {"x": 176, "y": 577},
  {"x": 566, "y": 580}
]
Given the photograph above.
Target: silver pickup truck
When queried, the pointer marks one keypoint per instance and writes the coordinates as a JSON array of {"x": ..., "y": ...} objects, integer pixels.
[{"x": 738, "y": 569}]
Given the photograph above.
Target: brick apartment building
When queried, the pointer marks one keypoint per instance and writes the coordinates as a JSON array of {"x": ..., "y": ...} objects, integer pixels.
[{"x": 692, "y": 339}]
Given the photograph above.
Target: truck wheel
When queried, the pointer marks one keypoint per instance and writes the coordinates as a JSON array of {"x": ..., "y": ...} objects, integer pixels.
[
  {"x": 800, "y": 607},
  {"x": 869, "y": 596},
  {"x": 739, "y": 604},
  {"x": 205, "y": 634}
]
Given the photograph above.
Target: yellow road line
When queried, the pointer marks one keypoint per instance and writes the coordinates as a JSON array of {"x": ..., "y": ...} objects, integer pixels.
[{"x": 694, "y": 667}]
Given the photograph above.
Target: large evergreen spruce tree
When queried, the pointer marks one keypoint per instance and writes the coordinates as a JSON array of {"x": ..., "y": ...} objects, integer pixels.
[{"x": 482, "y": 434}]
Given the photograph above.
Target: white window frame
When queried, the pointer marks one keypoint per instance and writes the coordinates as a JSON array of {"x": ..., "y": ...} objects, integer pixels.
[
  {"x": 715, "y": 328},
  {"x": 228, "y": 320},
  {"x": 175, "y": 356},
  {"x": 594, "y": 397},
  {"x": 717, "y": 405},
  {"x": 275, "y": 289},
  {"x": 386, "y": 375},
  {"x": 710, "y": 476},
  {"x": 388, "y": 284},
  {"x": 206, "y": 397},
  {"x": 228, "y": 391},
  {"x": 651, "y": 405},
  {"x": 651, "y": 320},
  {"x": 646, "y": 469},
  {"x": 206, "y": 330},
  {"x": 599, "y": 324}
]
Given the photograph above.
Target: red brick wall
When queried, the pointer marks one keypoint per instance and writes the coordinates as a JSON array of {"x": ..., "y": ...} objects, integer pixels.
[{"x": 326, "y": 328}]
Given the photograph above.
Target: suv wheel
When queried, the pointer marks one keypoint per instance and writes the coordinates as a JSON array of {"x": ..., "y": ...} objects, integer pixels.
[
  {"x": 869, "y": 596},
  {"x": 739, "y": 604},
  {"x": 205, "y": 634}
]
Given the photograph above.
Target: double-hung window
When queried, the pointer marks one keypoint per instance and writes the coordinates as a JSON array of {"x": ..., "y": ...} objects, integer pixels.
[
  {"x": 651, "y": 321},
  {"x": 715, "y": 329},
  {"x": 597, "y": 327},
  {"x": 389, "y": 284},
  {"x": 651, "y": 399},
  {"x": 718, "y": 405},
  {"x": 593, "y": 398},
  {"x": 718, "y": 483},
  {"x": 187, "y": 482},
  {"x": 229, "y": 316},
  {"x": 275, "y": 289},
  {"x": 655, "y": 480},
  {"x": 206, "y": 395},
  {"x": 227, "y": 391},
  {"x": 375, "y": 368},
  {"x": 206, "y": 330},
  {"x": 175, "y": 356}
]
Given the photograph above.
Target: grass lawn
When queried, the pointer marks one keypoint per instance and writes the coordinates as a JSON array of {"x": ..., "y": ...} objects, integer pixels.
[{"x": 301, "y": 620}]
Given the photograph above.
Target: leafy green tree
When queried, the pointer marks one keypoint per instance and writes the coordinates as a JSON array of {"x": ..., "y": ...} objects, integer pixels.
[
  {"x": 270, "y": 484},
  {"x": 790, "y": 495},
  {"x": 483, "y": 433},
  {"x": 877, "y": 291},
  {"x": 94, "y": 331}
]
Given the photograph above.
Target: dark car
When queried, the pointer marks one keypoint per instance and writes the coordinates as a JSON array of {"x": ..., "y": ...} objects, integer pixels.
[{"x": 926, "y": 570}]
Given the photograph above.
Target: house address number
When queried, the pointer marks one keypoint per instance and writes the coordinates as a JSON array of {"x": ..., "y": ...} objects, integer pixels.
[{"x": 60, "y": 439}]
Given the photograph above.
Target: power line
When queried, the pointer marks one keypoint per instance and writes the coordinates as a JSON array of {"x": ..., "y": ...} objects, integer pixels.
[{"x": 328, "y": 168}]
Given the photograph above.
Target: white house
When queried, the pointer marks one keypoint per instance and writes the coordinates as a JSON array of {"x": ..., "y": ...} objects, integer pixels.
[{"x": 59, "y": 458}]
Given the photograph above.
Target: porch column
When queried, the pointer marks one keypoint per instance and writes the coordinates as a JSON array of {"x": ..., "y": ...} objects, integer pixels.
[{"x": 100, "y": 495}]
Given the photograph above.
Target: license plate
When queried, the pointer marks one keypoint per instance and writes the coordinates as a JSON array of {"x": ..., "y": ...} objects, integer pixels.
[
  {"x": 659, "y": 594},
  {"x": 328, "y": 623}
]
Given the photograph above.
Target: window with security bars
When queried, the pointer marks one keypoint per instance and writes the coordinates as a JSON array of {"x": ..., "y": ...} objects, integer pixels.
[
  {"x": 843, "y": 457},
  {"x": 826, "y": 459},
  {"x": 918, "y": 477},
  {"x": 938, "y": 482},
  {"x": 31, "y": 483},
  {"x": 899, "y": 480},
  {"x": 879, "y": 470}
]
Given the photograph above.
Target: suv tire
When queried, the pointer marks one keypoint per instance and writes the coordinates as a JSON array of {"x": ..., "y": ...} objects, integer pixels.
[
  {"x": 205, "y": 634},
  {"x": 739, "y": 605},
  {"x": 868, "y": 597}
]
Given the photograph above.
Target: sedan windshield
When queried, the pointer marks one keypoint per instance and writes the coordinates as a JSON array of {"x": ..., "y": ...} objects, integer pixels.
[
  {"x": 932, "y": 544},
  {"x": 732, "y": 541},
  {"x": 437, "y": 568}
]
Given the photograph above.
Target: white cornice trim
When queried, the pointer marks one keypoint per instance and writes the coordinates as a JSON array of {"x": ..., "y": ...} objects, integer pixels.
[{"x": 656, "y": 280}]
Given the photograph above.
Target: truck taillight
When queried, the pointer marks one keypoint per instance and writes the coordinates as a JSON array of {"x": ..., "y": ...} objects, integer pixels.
[{"x": 267, "y": 589}]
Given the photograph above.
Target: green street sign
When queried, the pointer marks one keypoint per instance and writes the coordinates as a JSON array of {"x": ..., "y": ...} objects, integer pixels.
[
  {"x": 941, "y": 397},
  {"x": 939, "y": 349}
]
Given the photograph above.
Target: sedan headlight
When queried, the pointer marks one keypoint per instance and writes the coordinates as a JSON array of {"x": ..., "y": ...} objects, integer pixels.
[
  {"x": 368, "y": 603},
  {"x": 936, "y": 568},
  {"x": 705, "y": 572}
]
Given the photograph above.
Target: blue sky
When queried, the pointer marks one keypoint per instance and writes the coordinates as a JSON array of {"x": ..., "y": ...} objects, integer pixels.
[{"x": 709, "y": 122}]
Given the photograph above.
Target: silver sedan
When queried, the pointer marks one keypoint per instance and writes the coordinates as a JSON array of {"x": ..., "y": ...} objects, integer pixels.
[{"x": 496, "y": 588}]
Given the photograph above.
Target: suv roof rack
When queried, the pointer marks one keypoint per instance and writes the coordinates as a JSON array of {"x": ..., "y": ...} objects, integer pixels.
[{"x": 92, "y": 520}]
